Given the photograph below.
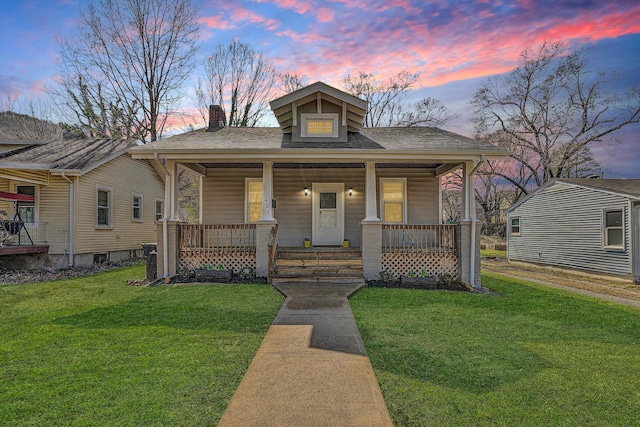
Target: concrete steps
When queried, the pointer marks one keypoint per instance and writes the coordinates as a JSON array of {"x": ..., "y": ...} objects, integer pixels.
[{"x": 318, "y": 265}]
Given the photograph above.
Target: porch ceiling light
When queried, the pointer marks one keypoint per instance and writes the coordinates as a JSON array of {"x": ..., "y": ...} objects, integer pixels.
[
  {"x": 306, "y": 191},
  {"x": 350, "y": 191}
]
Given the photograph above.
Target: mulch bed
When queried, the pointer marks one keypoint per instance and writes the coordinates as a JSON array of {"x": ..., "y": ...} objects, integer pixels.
[{"x": 11, "y": 277}]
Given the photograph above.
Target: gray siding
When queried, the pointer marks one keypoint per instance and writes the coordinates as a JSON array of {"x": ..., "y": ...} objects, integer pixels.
[
  {"x": 223, "y": 198},
  {"x": 562, "y": 225}
]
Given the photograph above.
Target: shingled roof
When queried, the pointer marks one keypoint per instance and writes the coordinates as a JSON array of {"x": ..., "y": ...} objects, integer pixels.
[
  {"x": 427, "y": 139},
  {"x": 78, "y": 155},
  {"x": 627, "y": 187}
]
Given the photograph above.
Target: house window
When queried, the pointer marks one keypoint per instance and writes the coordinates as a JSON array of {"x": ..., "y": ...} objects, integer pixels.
[
  {"x": 27, "y": 210},
  {"x": 515, "y": 226},
  {"x": 319, "y": 125},
  {"x": 253, "y": 199},
  {"x": 613, "y": 230},
  {"x": 159, "y": 209},
  {"x": 104, "y": 200},
  {"x": 393, "y": 200},
  {"x": 136, "y": 207}
]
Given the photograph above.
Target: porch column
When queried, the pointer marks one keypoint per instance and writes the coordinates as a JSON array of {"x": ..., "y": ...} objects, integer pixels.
[
  {"x": 371, "y": 212},
  {"x": 371, "y": 227},
  {"x": 469, "y": 251},
  {"x": 267, "y": 191},
  {"x": 171, "y": 206},
  {"x": 266, "y": 222}
]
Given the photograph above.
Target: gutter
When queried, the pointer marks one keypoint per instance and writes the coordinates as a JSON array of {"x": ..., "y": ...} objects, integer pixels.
[
  {"x": 71, "y": 217},
  {"x": 472, "y": 257}
]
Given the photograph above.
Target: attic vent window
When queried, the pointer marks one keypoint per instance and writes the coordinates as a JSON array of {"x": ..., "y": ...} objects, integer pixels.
[{"x": 319, "y": 125}]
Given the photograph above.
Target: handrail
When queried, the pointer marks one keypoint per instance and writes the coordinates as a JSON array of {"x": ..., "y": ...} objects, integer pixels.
[{"x": 273, "y": 250}]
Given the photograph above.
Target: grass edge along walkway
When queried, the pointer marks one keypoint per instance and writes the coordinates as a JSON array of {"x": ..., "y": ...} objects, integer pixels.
[
  {"x": 530, "y": 356},
  {"x": 93, "y": 351}
]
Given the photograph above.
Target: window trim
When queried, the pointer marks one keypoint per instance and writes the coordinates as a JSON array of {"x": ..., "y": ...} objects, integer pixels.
[
  {"x": 109, "y": 191},
  {"x": 511, "y": 232},
  {"x": 36, "y": 202},
  {"x": 247, "y": 204},
  {"x": 605, "y": 234},
  {"x": 404, "y": 199},
  {"x": 319, "y": 116},
  {"x": 155, "y": 209},
  {"x": 140, "y": 207}
]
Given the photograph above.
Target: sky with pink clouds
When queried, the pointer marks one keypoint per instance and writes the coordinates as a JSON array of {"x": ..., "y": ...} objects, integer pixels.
[{"x": 453, "y": 44}]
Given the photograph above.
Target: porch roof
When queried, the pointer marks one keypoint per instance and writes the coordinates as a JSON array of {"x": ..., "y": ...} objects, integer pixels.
[{"x": 371, "y": 143}]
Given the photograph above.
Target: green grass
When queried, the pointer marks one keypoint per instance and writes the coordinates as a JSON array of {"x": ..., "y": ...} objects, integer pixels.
[
  {"x": 492, "y": 253},
  {"x": 93, "y": 351},
  {"x": 531, "y": 356}
]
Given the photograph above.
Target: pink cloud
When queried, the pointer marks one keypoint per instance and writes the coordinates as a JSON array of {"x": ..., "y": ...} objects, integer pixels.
[{"x": 324, "y": 14}]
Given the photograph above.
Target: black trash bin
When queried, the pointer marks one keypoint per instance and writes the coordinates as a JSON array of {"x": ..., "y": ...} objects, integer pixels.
[
  {"x": 152, "y": 266},
  {"x": 150, "y": 252},
  {"x": 148, "y": 247}
]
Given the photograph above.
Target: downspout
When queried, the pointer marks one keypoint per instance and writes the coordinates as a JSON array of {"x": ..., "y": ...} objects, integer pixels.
[
  {"x": 165, "y": 226},
  {"x": 474, "y": 219},
  {"x": 71, "y": 217}
]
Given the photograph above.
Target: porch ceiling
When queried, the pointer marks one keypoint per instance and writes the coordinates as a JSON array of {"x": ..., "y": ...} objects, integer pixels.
[{"x": 438, "y": 169}]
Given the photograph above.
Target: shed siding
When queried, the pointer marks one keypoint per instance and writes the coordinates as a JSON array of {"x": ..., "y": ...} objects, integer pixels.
[
  {"x": 223, "y": 198},
  {"x": 125, "y": 176},
  {"x": 562, "y": 226}
]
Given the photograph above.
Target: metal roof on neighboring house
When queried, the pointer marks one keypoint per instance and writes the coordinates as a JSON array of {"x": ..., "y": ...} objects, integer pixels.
[
  {"x": 625, "y": 187},
  {"x": 79, "y": 155},
  {"x": 628, "y": 187}
]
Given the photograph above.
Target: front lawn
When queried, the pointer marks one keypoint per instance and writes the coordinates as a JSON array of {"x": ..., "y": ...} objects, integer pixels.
[
  {"x": 530, "y": 356},
  {"x": 93, "y": 351}
]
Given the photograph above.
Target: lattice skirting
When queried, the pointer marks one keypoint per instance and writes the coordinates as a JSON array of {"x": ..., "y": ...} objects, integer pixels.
[
  {"x": 433, "y": 263},
  {"x": 235, "y": 261}
]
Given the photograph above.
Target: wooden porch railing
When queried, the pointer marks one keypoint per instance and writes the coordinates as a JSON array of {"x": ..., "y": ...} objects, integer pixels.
[
  {"x": 420, "y": 238},
  {"x": 214, "y": 238}
]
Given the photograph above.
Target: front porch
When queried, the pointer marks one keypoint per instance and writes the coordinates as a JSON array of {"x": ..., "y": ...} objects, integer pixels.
[{"x": 422, "y": 249}]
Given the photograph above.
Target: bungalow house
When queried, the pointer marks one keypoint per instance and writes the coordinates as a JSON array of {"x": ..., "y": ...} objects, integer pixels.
[
  {"x": 321, "y": 177},
  {"x": 585, "y": 224},
  {"x": 75, "y": 202}
]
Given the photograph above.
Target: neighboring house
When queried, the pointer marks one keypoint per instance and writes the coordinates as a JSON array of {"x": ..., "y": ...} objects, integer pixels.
[
  {"x": 586, "y": 224},
  {"x": 88, "y": 201},
  {"x": 320, "y": 176}
]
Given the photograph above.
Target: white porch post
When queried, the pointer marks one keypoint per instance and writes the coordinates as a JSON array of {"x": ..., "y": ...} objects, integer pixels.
[
  {"x": 266, "y": 222},
  {"x": 167, "y": 236},
  {"x": 371, "y": 227},
  {"x": 171, "y": 206},
  {"x": 267, "y": 191},
  {"x": 464, "y": 204},
  {"x": 469, "y": 251},
  {"x": 371, "y": 212}
]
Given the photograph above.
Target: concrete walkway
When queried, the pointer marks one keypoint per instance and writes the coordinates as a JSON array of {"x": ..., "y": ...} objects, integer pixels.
[{"x": 311, "y": 369}]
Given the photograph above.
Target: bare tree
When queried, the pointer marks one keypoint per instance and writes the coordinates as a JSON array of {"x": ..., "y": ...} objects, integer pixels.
[
  {"x": 292, "y": 82},
  {"x": 549, "y": 112},
  {"x": 387, "y": 101},
  {"x": 239, "y": 79},
  {"x": 426, "y": 112},
  {"x": 127, "y": 65}
]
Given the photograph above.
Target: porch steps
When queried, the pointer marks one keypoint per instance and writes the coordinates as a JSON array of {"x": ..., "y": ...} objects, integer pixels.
[{"x": 318, "y": 265}]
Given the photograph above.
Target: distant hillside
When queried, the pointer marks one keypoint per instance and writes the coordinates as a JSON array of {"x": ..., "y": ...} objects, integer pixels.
[{"x": 22, "y": 126}]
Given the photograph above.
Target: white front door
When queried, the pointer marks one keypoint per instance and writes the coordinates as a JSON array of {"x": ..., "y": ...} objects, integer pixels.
[{"x": 328, "y": 214}]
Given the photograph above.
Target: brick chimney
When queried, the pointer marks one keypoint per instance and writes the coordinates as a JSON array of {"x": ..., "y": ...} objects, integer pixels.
[{"x": 217, "y": 118}]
